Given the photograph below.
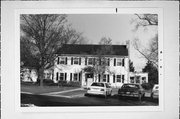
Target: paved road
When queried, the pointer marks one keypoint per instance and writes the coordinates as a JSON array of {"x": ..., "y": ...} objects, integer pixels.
[{"x": 44, "y": 100}]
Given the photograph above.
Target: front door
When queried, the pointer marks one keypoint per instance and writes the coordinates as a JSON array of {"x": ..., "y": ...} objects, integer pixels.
[{"x": 89, "y": 79}]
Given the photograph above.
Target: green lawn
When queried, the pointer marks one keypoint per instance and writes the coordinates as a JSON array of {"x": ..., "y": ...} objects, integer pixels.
[{"x": 45, "y": 89}]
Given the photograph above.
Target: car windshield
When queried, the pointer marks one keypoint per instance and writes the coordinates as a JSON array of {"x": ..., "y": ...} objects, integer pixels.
[
  {"x": 130, "y": 86},
  {"x": 98, "y": 84}
]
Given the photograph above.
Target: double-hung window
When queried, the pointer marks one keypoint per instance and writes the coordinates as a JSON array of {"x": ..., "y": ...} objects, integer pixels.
[
  {"x": 118, "y": 78},
  {"x": 119, "y": 61},
  {"x": 90, "y": 61},
  {"x": 132, "y": 79},
  {"x": 61, "y": 76},
  {"x": 75, "y": 77},
  {"x": 143, "y": 79},
  {"x": 76, "y": 60},
  {"x": 62, "y": 60},
  {"x": 104, "y": 78}
]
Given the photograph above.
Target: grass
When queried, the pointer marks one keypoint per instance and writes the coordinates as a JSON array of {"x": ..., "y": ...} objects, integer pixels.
[{"x": 43, "y": 89}]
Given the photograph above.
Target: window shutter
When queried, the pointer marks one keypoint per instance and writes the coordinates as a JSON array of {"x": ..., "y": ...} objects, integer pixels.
[
  {"x": 65, "y": 76},
  {"x": 122, "y": 78},
  {"x": 108, "y": 78},
  {"x": 113, "y": 78},
  {"x": 66, "y": 60},
  {"x": 56, "y": 76},
  {"x": 79, "y": 76},
  {"x": 123, "y": 62},
  {"x": 114, "y": 61},
  {"x": 71, "y": 60},
  {"x": 94, "y": 61},
  {"x": 58, "y": 60},
  {"x": 86, "y": 61},
  {"x": 79, "y": 61},
  {"x": 71, "y": 77},
  {"x": 108, "y": 62},
  {"x": 99, "y": 77},
  {"x": 99, "y": 61}
]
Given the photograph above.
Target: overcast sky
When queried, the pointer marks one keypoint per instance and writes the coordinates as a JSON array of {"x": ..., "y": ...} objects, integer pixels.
[{"x": 118, "y": 27}]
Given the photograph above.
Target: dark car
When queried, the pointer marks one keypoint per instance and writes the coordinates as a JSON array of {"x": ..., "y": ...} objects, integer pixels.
[
  {"x": 132, "y": 90},
  {"x": 155, "y": 92}
]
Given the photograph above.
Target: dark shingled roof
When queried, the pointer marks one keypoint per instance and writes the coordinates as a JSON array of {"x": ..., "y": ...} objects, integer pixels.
[{"x": 120, "y": 50}]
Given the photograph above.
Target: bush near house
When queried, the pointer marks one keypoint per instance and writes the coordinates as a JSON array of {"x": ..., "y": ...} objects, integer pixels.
[
  {"x": 69, "y": 84},
  {"x": 49, "y": 82},
  {"x": 147, "y": 86},
  {"x": 27, "y": 83}
]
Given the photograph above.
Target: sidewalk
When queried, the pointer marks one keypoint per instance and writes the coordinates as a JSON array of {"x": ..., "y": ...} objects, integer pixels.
[
  {"x": 59, "y": 92},
  {"x": 68, "y": 93},
  {"x": 45, "y": 89}
]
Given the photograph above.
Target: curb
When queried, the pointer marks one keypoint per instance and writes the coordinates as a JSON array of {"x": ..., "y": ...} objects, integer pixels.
[{"x": 53, "y": 93}]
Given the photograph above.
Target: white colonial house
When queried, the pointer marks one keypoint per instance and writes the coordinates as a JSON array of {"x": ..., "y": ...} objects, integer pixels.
[
  {"x": 138, "y": 77},
  {"x": 72, "y": 59}
]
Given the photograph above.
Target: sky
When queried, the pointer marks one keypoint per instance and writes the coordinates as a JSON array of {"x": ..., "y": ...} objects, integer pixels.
[{"x": 118, "y": 27}]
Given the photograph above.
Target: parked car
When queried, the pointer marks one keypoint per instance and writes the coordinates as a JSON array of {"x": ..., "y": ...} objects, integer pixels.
[
  {"x": 155, "y": 92},
  {"x": 132, "y": 90},
  {"x": 99, "y": 88}
]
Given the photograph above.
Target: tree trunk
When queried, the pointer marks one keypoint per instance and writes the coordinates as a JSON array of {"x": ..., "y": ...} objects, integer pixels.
[
  {"x": 96, "y": 77},
  {"x": 41, "y": 76},
  {"x": 101, "y": 77}
]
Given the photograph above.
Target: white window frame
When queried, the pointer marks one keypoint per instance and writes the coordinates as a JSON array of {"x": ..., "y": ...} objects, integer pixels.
[
  {"x": 143, "y": 79},
  {"x": 118, "y": 62},
  {"x": 118, "y": 79},
  {"x": 76, "y": 60},
  {"x": 104, "y": 61},
  {"x": 62, "y": 60},
  {"x": 132, "y": 80},
  {"x": 75, "y": 77},
  {"x": 63, "y": 76},
  {"x": 105, "y": 76},
  {"x": 47, "y": 75},
  {"x": 89, "y": 60}
]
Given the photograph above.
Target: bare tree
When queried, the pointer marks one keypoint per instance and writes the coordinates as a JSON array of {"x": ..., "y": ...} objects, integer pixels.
[
  {"x": 145, "y": 20},
  {"x": 41, "y": 36},
  {"x": 150, "y": 53},
  {"x": 101, "y": 62}
]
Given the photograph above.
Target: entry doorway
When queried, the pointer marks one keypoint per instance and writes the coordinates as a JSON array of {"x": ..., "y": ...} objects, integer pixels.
[{"x": 89, "y": 79}]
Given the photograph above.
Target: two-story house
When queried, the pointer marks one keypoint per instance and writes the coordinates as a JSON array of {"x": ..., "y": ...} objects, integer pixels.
[{"x": 73, "y": 58}]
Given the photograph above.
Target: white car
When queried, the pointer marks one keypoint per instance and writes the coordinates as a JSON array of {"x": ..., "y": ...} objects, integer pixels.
[
  {"x": 155, "y": 92},
  {"x": 99, "y": 88}
]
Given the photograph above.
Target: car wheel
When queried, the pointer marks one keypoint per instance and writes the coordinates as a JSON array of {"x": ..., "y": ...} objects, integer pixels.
[
  {"x": 143, "y": 96},
  {"x": 86, "y": 94},
  {"x": 152, "y": 96},
  {"x": 105, "y": 95},
  {"x": 110, "y": 93}
]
